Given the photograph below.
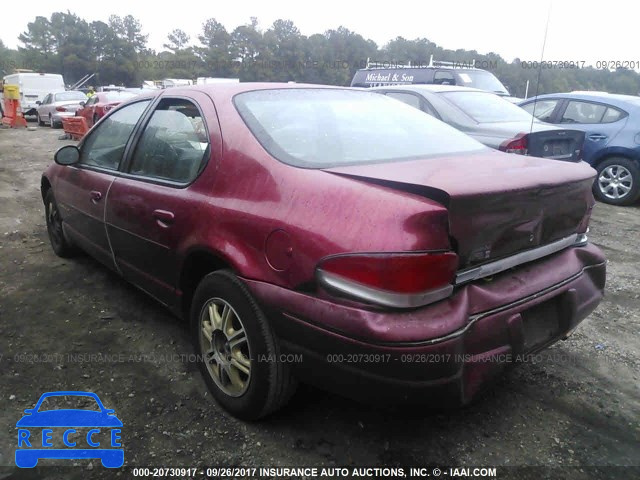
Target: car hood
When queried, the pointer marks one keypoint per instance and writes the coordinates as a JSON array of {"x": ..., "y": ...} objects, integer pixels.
[
  {"x": 69, "y": 418},
  {"x": 498, "y": 204}
]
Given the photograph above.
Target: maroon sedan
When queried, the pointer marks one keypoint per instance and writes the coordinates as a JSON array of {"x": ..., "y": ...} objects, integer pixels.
[
  {"x": 99, "y": 104},
  {"x": 330, "y": 235}
]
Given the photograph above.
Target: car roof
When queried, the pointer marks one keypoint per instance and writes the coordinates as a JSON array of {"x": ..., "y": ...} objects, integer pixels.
[
  {"x": 226, "y": 91},
  {"x": 617, "y": 100},
  {"x": 68, "y": 394},
  {"x": 65, "y": 91},
  {"x": 431, "y": 88}
]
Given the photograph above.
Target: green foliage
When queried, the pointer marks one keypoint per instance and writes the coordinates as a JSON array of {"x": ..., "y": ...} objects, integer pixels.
[{"x": 117, "y": 52}]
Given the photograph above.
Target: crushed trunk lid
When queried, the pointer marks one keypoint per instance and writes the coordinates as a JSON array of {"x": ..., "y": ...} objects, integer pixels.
[{"x": 498, "y": 204}]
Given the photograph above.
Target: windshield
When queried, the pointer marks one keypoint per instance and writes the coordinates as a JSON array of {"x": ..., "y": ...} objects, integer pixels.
[
  {"x": 118, "y": 96},
  {"x": 323, "y": 128},
  {"x": 481, "y": 80},
  {"x": 486, "y": 107},
  {"x": 70, "y": 96}
]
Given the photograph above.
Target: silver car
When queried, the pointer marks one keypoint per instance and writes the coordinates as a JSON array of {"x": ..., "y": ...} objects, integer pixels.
[
  {"x": 490, "y": 119},
  {"x": 58, "y": 105}
]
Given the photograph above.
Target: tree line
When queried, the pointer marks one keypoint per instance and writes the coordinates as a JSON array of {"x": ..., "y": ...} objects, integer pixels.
[{"x": 117, "y": 52}]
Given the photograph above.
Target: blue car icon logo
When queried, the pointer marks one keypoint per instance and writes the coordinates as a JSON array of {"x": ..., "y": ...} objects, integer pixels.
[{"x": 69, "y": 433}]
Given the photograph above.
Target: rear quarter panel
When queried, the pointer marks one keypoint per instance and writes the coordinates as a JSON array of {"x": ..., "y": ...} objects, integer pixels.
[{"x": 316, "y": 213}]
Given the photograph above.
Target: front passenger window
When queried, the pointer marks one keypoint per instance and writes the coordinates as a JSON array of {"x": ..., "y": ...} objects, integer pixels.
[
  {"x": 542, "y": 109},
  {"x": 105, "y": 145},
  {"x": 173, "y": 144}
]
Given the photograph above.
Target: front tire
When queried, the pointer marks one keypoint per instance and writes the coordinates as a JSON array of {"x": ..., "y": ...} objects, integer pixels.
[
  {"x": 59, "y": 243},
  {"x": 618, "y": 181},
  {"x": 238, "y": 353},
  {"x": 40, "y": 121}
]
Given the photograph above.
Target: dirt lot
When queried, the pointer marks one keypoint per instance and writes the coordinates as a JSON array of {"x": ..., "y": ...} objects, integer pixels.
[{"x": 577, "y": 406}]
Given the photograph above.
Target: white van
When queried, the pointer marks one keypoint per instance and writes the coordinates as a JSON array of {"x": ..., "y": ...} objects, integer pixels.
[
  {"x": 176, "y": 82},
  {"x": 34, "y": 87},
  {"x": 208, "y": 80}
]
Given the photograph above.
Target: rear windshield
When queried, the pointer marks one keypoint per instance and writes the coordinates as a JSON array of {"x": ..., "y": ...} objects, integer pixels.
[
  {"x": 69, "y": 96},
  {"x": 486, "y": 107},
  {"x": 323, "y": 128},
  {"x": 482, "y": 80},
  {"x": 118, "y": 96}
]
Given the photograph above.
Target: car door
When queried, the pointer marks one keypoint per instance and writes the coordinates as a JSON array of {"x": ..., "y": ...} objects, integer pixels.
[
  {"x": 600, "y": 122},
  {"x": 45, "y": 108},
  {"x": 81, "y": 189},
  {"x": 148, "y": 210},
  {"x": 87, "y": 110}
]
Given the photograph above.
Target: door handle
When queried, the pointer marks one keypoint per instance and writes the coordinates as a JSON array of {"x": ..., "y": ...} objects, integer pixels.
[
  {"x": 163, "y": 217},
  {"x": 95, "y": 196},
  {"x": 597, "y": 136}
]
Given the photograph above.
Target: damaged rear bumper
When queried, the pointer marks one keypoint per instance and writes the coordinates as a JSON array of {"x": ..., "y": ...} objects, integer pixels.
[{"x": 441, "y": 353}]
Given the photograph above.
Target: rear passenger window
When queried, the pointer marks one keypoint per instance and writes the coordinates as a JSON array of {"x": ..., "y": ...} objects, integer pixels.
[
  {"x": 174, "y": 143},
  {"x": 612, "y": 115},
  {"x": 583, "y": 112}
]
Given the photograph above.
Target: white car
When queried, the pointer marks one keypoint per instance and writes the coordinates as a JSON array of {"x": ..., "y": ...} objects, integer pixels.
[{"x": 58, "y": 105}]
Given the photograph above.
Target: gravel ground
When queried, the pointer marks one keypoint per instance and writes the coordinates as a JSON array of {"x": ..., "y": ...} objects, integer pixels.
[{"x": 576, "y": 407}]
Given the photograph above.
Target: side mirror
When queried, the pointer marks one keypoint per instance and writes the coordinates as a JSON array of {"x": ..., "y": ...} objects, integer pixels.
[
  {"x": 67, "y": 155},
  {"x": 82, "y": 104}
]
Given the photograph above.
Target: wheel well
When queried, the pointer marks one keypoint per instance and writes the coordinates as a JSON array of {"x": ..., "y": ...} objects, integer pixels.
[
  {"x": 615, "y": 155},
  {"x": 196, "y": 266},
  {"x": 45, "y": 185}
]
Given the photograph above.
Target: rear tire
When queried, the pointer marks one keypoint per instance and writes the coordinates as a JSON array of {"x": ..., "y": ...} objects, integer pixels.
[
  {"x": 238, "y": 353},
  {"x": 59, "y": 243},
  {"x": 618, "y": 181}
]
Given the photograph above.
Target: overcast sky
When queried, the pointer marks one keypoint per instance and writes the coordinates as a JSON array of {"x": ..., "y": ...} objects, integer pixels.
[{"x": 579, "y": 30}]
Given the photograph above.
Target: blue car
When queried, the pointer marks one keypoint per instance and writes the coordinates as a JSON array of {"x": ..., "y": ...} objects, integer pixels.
[
  {"x": 38, "y": 423},
  {"x": 612, "y": 137}
]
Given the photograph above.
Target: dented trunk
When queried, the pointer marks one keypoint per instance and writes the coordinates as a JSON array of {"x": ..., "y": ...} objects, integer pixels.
[{"x": 498, "y": 204}]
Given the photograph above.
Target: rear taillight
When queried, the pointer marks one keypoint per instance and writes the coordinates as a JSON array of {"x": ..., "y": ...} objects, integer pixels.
[
  {"x": 401, "y": 280},
  {"x": 518, "y": 144},
  {"x": 61, "y": 109}
]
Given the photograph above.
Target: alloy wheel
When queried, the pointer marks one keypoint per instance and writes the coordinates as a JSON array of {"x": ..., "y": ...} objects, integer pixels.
[
  {"x": 615, "y": 182},
  {"x": 225, "y": 346}
]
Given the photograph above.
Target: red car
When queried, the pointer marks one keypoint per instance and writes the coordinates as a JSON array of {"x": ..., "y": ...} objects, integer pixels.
[
  {"x": 330, "y": 235},
  {"x": 99, "y": 104}
]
